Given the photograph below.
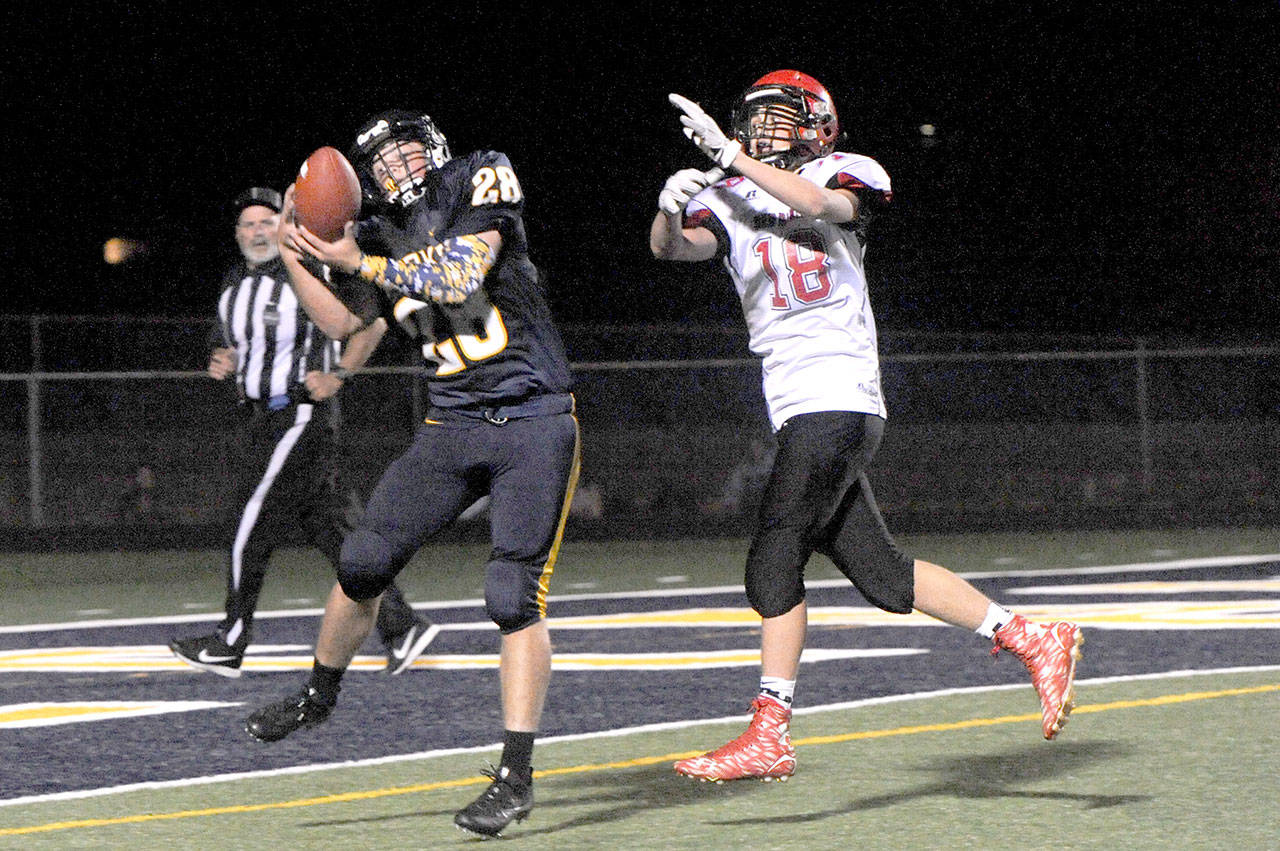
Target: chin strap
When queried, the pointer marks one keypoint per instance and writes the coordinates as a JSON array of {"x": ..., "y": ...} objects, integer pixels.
[{"x": 446, "y": 272}]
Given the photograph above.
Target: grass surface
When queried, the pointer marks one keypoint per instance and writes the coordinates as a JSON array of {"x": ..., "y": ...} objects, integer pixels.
[{"x": 949, "y": 771}]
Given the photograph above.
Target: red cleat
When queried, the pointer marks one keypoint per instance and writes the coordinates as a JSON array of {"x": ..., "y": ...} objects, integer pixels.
[
  {"x": 764, "y": 751},
  {"x": 1050, "y": 651}
]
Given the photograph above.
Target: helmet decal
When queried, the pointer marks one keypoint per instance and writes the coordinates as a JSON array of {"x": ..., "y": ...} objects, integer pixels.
[{"x": 389, "y": 172}]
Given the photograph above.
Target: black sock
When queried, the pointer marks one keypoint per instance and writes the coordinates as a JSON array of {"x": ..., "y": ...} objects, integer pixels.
[
  {"x": 517, "y": 753},
  {"x": 326, "y": 681}
]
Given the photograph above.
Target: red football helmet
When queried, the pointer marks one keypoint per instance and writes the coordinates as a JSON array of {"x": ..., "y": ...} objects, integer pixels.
[{"x": 782, "y": 99}]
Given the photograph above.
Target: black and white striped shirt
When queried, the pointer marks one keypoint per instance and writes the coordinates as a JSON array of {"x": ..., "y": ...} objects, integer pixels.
[{"x": 276, "y": 344}]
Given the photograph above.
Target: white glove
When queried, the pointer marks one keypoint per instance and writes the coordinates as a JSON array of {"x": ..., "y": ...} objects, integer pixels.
[
  {"x": 682, "y": 186},
  {"x": 703, "y": 131}
]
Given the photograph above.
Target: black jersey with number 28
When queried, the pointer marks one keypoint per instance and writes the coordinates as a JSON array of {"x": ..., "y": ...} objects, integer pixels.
[{"x": 500, "y": 346}]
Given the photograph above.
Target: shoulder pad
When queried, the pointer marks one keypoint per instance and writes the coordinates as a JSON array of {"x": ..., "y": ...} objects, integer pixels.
[
  {"x": 864, "y": 170},
  {"x": 479, "y": 159}
]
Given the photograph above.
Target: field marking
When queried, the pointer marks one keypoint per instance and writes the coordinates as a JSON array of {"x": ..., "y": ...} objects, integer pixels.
[
  {"x": 371, "y": 794},
  {"x": 1193, "y": 586},
  {"x": 597, "y": 734},
  {"x": 1131, "y": 614},
  {"x": 22, "y": 715},
  {"x": 1162, "y": 700},
  {"x": 158, "y": 658},
  {"x": 1135, "y": 567}
]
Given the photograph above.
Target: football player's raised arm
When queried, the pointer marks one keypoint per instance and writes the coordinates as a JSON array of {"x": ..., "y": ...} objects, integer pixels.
[
  {"x": 446, "y": 272},
  {"x": 326, "y": 310},
  {"x": 832, "y": 205}
]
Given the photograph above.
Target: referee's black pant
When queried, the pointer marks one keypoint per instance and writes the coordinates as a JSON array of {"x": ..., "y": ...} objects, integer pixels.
[{"x": 288, "y": 480}]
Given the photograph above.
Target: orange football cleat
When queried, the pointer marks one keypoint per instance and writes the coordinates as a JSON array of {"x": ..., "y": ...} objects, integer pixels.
[
  {"x": 1050, "y": 651},
  {"x": 764, "y": 751}
]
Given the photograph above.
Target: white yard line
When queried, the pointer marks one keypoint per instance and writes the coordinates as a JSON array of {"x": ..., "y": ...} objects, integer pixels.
[
  {"x": 1137, "y": 567},
  {"x": 577, "y": 737}
]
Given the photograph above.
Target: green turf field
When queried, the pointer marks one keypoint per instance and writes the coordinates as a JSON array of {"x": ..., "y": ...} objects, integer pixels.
[
  {"x": 1170, "y": 763},
  {"x": 1187, "y": 761}
]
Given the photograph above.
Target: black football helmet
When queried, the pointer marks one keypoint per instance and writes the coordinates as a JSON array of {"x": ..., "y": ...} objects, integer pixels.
[
  {"x": 396, "y": 125},
  {"x": 788, "y": 97}
]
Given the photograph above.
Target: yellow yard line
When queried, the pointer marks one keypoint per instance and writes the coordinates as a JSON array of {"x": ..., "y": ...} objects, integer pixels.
[{"x": 344, "y": 797}]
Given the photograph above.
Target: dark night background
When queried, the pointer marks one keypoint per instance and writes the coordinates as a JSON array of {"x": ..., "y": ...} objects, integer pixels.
[{"x": 1108, "y": 169}]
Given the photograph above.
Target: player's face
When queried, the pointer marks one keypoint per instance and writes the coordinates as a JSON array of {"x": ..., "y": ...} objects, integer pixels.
[
  {"x": 256, "y": 234},
  {"x": 399, "y": 166},
  {"x": 773, "y": 130}
]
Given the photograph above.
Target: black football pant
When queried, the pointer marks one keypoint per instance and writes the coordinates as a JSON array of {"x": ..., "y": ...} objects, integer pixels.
[
  {"x": 287, "y": 481},
  {"x": 818, "y": 499}
]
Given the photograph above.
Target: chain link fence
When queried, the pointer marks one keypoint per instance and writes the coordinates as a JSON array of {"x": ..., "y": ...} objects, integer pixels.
[{"x": 114, "y": 435}]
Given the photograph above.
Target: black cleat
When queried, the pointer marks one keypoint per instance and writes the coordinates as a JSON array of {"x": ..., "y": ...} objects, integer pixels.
[
  {"x": 503, "y": 801},
  {"x": 276, "y": 720},
  {"x": 209, "y": 653},
  {"x": 404, "y": 648}
]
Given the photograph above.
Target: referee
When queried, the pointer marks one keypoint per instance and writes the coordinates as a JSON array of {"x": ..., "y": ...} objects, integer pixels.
[{"x": 285, "y": 371}]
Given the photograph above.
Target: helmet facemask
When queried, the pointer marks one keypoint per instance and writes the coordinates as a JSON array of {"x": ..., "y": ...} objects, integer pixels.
[
  {"x": 400, "y": 170},
  {"x": 393, "y": 173},
  {"x": 771, "y": 114}
]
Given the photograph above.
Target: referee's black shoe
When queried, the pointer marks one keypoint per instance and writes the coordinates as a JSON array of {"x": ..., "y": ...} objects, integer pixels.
[
  {"x": 506, "y": 799},
  {"x": 404, "y": 648},
  {"x": 209, "y": 653},
  {"x": 276, "y": 720}
]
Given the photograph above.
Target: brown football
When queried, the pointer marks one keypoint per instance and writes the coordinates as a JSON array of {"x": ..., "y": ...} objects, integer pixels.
[{"x": 326, "y": 194}]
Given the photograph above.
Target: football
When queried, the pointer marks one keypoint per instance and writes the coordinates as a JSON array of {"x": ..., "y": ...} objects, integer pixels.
[{"x": 326, "y": 194}]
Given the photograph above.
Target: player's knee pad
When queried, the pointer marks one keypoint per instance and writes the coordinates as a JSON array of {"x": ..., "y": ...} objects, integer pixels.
[
  {"x": 365, "y": 569},
  {"x": 511, "y": 595}
]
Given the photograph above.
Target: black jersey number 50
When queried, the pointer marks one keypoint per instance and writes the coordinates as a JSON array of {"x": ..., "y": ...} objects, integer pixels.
[{"x": 452, "y": 355}]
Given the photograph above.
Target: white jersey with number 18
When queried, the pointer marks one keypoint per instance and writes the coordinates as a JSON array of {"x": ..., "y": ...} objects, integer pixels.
[{"x": 803, "y": 289}]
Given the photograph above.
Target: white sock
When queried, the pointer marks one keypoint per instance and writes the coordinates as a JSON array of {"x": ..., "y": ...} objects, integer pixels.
[
  {"x": 778, "y": 690},
  {"x": 997, "y": 616}
]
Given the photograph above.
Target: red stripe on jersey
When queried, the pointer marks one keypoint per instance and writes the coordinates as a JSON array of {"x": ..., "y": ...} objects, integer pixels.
[
  {"x": 844, "y": 180},
  {"x": 698, "y": 218}
]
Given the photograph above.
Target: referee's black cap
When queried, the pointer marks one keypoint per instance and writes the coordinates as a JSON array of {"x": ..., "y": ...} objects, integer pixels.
[{"x": 257, "y": 196}]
